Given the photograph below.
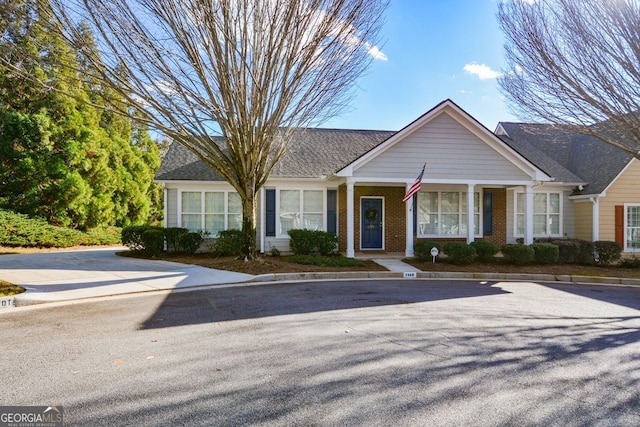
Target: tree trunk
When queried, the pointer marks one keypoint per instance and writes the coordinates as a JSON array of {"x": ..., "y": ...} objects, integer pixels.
[{"x": 249, "y": 215}]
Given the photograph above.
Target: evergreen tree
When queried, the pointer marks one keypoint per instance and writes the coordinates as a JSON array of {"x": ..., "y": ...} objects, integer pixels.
[{"x": 63, "y": 156}]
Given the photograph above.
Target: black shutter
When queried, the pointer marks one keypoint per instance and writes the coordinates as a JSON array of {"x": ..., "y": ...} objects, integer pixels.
[
  {"x": 332, "y": 211},
  {"x": 270, "y": 210},
  {"x": 487, "y": 211}
]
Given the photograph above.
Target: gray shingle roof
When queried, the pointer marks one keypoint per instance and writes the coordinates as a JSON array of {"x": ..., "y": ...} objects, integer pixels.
[
  {"x": 314, "y": 152},
  {"x": 567, "y": 155}
]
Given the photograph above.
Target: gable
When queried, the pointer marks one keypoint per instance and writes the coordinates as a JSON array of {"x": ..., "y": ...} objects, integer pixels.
[{"x": 451, "y": 150}]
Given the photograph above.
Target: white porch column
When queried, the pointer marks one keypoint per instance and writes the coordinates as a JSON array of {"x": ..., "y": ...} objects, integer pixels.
[
  {"x": 528, "y": 214},
  {"x": 595, "y": 218},
  {"x": 409, "y": 208},
  {"x": 470, "y": 213},
  {"x": 350, "y": 219}
]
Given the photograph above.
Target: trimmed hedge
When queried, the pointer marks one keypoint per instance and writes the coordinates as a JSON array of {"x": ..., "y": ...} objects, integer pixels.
[
  {"x": 606, "y": 253},
  {"x": 228, "y": 243},
  {"x": 545, "y": 253},
  {"x": 190, "y": 242},
  {"x": 517, "y": 254},
  {"x": 132, "y": 236},
  {"x": 172, "y": 238},
  {"x": 460, "y": 253},
  {"x": 485, "y": 250},
  {"x": 153, "y": 241},
  {"x": 422, "y": 249},
  {"x": 306, "y": 242}
]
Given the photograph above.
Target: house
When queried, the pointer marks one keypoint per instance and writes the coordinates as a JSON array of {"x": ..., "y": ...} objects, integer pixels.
[{"x": 519, "y": 183}]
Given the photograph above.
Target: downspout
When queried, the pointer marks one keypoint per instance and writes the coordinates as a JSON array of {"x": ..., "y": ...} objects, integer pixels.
[{"x": 595, "y": 218}]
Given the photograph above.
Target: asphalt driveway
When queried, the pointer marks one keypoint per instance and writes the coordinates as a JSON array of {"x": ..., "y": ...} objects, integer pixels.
[
  {"x": 78, "y": 274},
  {"x": 349, "y": 353}
]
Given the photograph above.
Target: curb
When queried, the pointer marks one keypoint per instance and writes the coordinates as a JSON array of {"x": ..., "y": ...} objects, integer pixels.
[
  {"x": 444, "y": 275},
  {"x": 265, "y": 279}
]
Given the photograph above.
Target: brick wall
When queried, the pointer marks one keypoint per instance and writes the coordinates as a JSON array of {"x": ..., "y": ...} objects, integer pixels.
[
  {"x": 394, "y": 216},
  {"x": 499, "y": 236}
]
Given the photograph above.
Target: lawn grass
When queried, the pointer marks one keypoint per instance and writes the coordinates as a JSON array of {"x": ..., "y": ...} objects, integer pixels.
[{"x": 7, "y": 289}]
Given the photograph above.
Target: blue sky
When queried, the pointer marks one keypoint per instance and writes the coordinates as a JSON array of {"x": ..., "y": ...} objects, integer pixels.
[{"x": 435, "y": 49}]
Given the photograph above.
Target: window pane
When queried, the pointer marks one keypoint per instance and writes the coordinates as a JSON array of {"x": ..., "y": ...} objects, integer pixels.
[
  {"x": 520, "y": 224},
  {"x": 289, "y": 210},
  {"x": 214, "y": 203},
  {"x": 476, "y": 203},
  {"x": 554, "y": 203},
  {"x": 213, "y": 223},
  {"x": 191, "y": 222},
  {"x": 313, "y": 221},
  {"x": 312, "y": 201},
  {"x": 476, "y": 224},
  {"x": 633, "y": 227},
  {"x": 520, "y": 203},
  {"x": 539, "y": 224},
  {"x": 450, "y": 224},
  {"x": 554, "y": 224},
  {"x": 427, "y": 213},
  {"x": 191, "y": 202},
  {"x": 235, "y": 204},
  {"x": 450, "y": 202},
  {"x": 540, "y": 203}
]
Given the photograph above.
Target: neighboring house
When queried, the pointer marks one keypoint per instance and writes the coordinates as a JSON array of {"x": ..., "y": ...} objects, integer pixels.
[{"x": 521, "y": 182}]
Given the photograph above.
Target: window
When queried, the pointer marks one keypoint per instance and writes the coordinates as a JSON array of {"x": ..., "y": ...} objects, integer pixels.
[
  {"x": 546, "y": 214},
  {"x": 632, "y": 228},
  {"x": 211, "y": 211},
  {"x": 301, "y": 209},
  {"x": 445, "y": 213}
]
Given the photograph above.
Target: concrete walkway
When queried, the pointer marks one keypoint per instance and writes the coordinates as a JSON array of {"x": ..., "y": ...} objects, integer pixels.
[{"x": 70, "y": 275}]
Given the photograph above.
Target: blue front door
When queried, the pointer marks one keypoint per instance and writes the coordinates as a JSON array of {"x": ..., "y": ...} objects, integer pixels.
[{"x": 371, "y": 214}]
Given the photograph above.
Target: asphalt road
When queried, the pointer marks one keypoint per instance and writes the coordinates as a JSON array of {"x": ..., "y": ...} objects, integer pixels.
[{"x": 375, "y": 353}]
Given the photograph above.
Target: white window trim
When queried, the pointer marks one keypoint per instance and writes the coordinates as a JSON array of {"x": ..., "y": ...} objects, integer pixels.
[
  {"x": 561, "y": 213},
  {"x": 202, "y": 205},
  {"x": 626, "y": 227},
  {"x": 279, "y": 234},
  {"x": 462, "y": 212}
]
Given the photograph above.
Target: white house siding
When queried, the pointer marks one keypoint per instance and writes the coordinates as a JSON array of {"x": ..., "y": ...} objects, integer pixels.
[
  {"x": 172, "y": 207},
  {"x": 625, "y": 189},
  {"x": 451, "y": 152}
]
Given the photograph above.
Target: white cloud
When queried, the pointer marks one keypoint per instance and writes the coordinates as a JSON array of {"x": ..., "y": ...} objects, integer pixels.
[
  {"x": 484, "y": 72},
  {"x": 377, "y": 53}
]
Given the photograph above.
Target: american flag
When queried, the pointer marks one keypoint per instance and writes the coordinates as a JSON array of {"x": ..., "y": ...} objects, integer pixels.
[{"x": 415, "y": 187}]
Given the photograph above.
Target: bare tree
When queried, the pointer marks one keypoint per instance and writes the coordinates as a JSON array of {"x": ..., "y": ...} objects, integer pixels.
[
  {"x": 576, "y": 62},
  {"x": 252, "y": 71}
]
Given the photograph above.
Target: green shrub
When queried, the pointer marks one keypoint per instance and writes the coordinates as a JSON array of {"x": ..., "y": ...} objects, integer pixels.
[
  {"x": 585, "y": 252},
  {"x": 132, "y": 236},
  {"x": 333, "y": 261},
  {"x": 152, "y": 241},
  {"x": 305, "y": 242},
  {"x": 568, "y": 251},
  {"x": 517, "y": 254},
  {"x": 485, "y": 250},
  {"x": 190, "y": 242},
  {"x": 422, "y": 249},
  {"x": 172, "y": 238},
  {"x": 302, "y": 241},
  {"x": 545, "y": 253},
  {"x": 228, "y": 243},
  {"x": 460, "y": 253},
  {"x": 274, "y": 251},
  {"x": 326, "y": 243},
  {"x": 21, "y": 230},
  {"x": 606, "y": 253},
  {"x": 630, "y": 262}
]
